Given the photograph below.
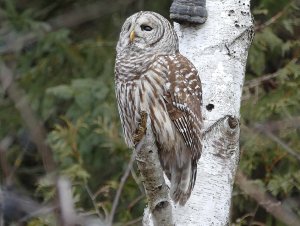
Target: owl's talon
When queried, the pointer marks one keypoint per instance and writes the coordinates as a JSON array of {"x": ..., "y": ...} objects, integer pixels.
[{"x": 142, "y": 127}]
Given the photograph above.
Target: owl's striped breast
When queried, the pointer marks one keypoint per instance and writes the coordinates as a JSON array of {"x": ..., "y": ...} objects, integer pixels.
[{"x": 145, "y": 94}]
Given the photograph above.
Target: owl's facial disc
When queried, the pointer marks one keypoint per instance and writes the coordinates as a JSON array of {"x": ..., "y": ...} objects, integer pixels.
[{"x": 145, "y": 31}]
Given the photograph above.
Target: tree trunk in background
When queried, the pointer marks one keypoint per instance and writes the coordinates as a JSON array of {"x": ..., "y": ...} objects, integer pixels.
[{"x": 219, "y": 50}]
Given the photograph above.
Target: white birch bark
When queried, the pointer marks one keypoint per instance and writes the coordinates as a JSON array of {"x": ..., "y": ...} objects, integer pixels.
[{"x": 219, "y": 50}]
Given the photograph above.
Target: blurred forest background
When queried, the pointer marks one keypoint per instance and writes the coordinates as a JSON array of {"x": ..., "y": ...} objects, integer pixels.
[{"x": 57, "y": 83}]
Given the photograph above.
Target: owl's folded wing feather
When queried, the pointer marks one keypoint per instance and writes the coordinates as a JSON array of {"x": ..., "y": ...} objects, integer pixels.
[{"x": 183, "y": 97}]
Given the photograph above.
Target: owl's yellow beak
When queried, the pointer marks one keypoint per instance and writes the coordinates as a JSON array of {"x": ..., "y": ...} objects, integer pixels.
[{"x": 131, "y": 36}]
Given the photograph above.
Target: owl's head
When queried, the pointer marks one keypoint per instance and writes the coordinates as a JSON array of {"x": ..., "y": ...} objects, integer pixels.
[{"x": 148, "y": 31}]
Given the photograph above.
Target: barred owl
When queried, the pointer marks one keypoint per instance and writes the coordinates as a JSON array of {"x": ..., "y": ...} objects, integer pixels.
[{"x": 152, "y": 76}]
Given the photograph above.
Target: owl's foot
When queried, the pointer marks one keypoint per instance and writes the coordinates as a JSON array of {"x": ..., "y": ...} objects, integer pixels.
[{"x": 141, "y": 130}]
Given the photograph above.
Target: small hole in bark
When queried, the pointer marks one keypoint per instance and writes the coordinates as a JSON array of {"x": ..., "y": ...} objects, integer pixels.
[
  {"x": 160, "y": 205},
  {"x": 209, "y": 107},
  {"x": 150, "y": 151}
]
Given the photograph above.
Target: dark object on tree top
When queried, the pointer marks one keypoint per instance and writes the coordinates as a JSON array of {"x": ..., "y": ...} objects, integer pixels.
[{"x": 188, "y": 11}]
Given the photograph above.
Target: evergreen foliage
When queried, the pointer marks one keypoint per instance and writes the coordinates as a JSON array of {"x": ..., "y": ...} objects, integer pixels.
[{"x": 67, "y": 74}]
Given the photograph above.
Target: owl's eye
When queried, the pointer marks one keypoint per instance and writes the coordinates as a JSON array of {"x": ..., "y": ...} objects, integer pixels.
[{"x": 146, "y": 27}]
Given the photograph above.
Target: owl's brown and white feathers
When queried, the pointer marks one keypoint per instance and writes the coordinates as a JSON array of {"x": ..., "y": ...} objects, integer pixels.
[{"x": 152, "y": 76}]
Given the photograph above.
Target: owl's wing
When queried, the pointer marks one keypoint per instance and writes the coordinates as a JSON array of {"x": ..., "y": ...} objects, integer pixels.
[{"x": 183, "y": 99}]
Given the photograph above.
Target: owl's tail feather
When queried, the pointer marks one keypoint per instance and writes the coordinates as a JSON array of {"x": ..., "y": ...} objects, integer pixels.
[{"x": 182, "y": 182}]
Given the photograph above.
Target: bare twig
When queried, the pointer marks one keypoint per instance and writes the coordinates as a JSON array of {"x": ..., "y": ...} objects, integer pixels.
[
  {"x": 256, "y": 223},
  {"x": 253, "y": 214},
  {"x": 15, "y": 167},
  {"x": 289, "y": 123},
  {"x": 273, "y": 19},
  {"x": 1, "y": 216},
  {"x": 137, "y": 180},
  {"x": 38, "y": 213},
  {"x": 269, "y": 203},
  {"x": 38, "y": 134},
  {"x": 135, "y": 201},
  {"x": 261, "y": 128},
  {"x": 119, "y": 191},
  {"x": 68, "y": 213},
  {"x": 278, "y": 141},
  {"x": 92, "y": 197},
  {"x": 36, "y": 129},
  {"x": 256, "y": 82},
  {"x": 16, "y": 205},
  {"x": 6, "y": 169},
  {"x": 133, "y": 222},
  {"x": 69, "y": 19},
  {"x": 81, "y": 15}
]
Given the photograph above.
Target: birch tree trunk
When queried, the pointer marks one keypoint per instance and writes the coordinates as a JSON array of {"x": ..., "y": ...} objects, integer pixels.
[{"x": 219, "y": 50}]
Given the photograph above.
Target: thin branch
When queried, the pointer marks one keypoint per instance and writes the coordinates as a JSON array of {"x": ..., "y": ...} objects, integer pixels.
[
  {"x": 81, "y": 15},
  {"x": 11, "y": 199},
  {"x": 133, "y": 222},
  {"x": 68, "y": 214},
  {"x": 92, "y": 197},
  {"x": 254, "y": 223},
  {"x": 254, "y": 214},
  {"x": 38, "y": 213},
  {"x": 35, "y": 126},
  {"x": 137, "y": 181},
  {"x": 289, "y": 123},
  {"x": 278, "y": 141},
  {"x": 119, "y": 191},
  {"x": 135, "y": 201},
  {"x": 273, "y": 19},
  {"x": 6, "y": 168},
  {"x": 268, "y": 202},
  {"x": 70, "y": 19},
  {"x": 256, "y": 82},
  {"x": 1, "y": 215},
  {"x": 260, "y": 128},
  {"x": 15, "y": 167},
  {"x": 37, "y": 132}
]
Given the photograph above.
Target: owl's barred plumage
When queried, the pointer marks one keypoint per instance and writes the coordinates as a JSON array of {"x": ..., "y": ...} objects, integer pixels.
[{"x": 152, "y": 76}]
